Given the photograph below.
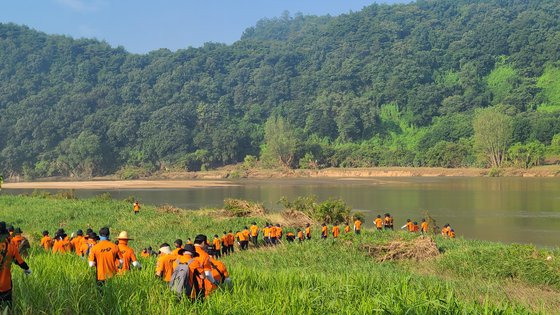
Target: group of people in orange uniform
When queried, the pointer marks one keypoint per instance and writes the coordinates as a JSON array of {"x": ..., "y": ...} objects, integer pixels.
[{"x": 11, "y": 246}]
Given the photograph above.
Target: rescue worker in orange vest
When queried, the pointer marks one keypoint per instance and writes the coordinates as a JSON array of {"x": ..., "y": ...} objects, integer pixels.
[
  {"x": 415, "y": 227},
  {"x": 247, "y": 236},
  {"x": 266, "y": 234},
  {"x": 188, "y": 255},
  {"x": 128, "y": 256},
  {"x": 451, "y": 233},
  {"x": 279, "y": 232},
  {"x": 446, "y": 229},
  {"x": 103, "y": 256},
  {"x": 77, "y": 242},
  {"x": 217, "y": 246},
  {"x": 300, "y": 236},
  {"x": 357, "y": 226},
  {"x": 388, "y": 222},
  {"x": 231, "y": 242},
  {"x": 21, "y": 243},
  {"x": 254, "y": 234},
  {"x": 46, "y": 241},
  {"x": 290, "y": 237},
  {"x": 136, "y": 207},
  {"x": 204, "y": 259},
  {"x": 225, "y": 242},
  {"x": 308, "y": 231},
  {"x": 178, "y": 246},
  {"x": 8, "y": 254},
  {"x": 324, "y": 231},
  {"x": 424, "y": 227},
  {"x": 145, "y": 253},
  {"x": 272, "y": 234},
  {"x": 335, "y": 230},
  {"x": 346, "y": 228},
  {"x": 408, "y": 226},
  {"x": 378, "y": 223},
  {"x": 164, "y": 265},
  {"x": 241, "y": 241},
  {"x": 61, "y": 243}
]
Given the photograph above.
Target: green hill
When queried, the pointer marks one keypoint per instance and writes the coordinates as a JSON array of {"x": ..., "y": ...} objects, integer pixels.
[{"x": 382, "y": 86}]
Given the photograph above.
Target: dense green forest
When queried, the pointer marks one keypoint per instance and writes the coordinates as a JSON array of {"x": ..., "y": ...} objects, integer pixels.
[{"x": 402, "y": 85}]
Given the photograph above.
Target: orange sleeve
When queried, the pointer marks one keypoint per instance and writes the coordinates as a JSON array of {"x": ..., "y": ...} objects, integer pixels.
[
  {"x": 17, "y": 256},
  {"x": 92, "y": 254}
]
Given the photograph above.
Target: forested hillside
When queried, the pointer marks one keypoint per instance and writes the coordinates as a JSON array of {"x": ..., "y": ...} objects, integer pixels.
[{"x": 389, "y": 85}]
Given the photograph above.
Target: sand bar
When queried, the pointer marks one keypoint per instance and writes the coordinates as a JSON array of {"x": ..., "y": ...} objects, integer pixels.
[{"x": 120, "y": 184}]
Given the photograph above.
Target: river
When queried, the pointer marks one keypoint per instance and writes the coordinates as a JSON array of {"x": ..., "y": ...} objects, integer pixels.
[{"x": 509, "y": 209}]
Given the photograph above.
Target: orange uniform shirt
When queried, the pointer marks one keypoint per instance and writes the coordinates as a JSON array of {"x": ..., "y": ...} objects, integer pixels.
[
  {"x": 307, "y": 231},
  {"x": 136, "y": 207},
  {"x": 231, "y": 239},
  {"x": 300, "y": 235},
  {"x": 347, "y": 229},
  {"x": 246, "y": 233},
  {"x": 195, "y": 270},
  {"x": 8, "y": 253},
  {"x": 128, "y": 256},
  {"x": 105, "y": 254},
  {"x": 254, "y": 230},
  {"x": 175, "y": 252},
  {"x": 424, "y": 226},
  {"x": 217, "y": 268},
  {"x": 415, "y": 228},
  {"x": 378, "y": 222},
  {"x": 266, "y": 232},
  {"x": 225, "y": 240},
  {"x": 47, "y": 242},
  {"x": 279, "y": 232},
  {"x": 240, "y": 236},
  {"x": 324, "y": 230},
  {"x": 216, "y": 243},
  {"x": 358, "y": 225},
  {"x": 145, "y": 254},
  {"x": 164, "y": 266},
  {"x": 335, "y": 231},
  {"x": 61, "y": 246},
  {"x": 410, "y": 226},
  {"x": 77, "y": 244},
  {"x": 273, "y": 232},
  {"x": 16, "y": 240}
]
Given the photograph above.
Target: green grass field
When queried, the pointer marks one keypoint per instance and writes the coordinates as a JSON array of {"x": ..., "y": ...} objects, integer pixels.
[{"x": 316, "y": 277}]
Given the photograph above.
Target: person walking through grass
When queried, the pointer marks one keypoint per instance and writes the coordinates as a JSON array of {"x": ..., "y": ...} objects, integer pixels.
[
  {"x": 164, "y": 265},
  {"x": 217, "y": 246},
  {"x": 255, "y": 234},
  {"x": 127, "y": 253},
  {"x": 378, "y": 222},
  {"x": 357, "y": 226},
  {"x": 335, "y": 230},
  {"x": 136, "y": 207},
  {"x": 104, "y": 257},
  {"x": 46, "y": 241},
  {"x": 8, "y": 254},
  {"x": 204, "y": 259}
]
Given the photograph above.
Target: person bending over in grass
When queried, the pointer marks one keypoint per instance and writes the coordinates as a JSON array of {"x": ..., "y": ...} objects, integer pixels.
[
  {"x": 8, "y": 253},
  {"x": 103, "y": 256},
  {"x": 164, "y": 265},
  {"x": 346, "y": 228},
  {"x": 219, "y": 271},
  {"x": 46, "y": 241},
  {"x": 290, "y": 237},
  {"x": 187, "y": 274},
  {"x": 128, "y": 256}
]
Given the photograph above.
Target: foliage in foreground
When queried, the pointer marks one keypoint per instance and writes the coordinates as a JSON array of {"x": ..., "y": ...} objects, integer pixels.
[{"x": 313, "y": 277}]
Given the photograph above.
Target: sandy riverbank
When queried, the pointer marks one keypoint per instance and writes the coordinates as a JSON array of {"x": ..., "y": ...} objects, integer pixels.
[{"x": 118, "y": 184}]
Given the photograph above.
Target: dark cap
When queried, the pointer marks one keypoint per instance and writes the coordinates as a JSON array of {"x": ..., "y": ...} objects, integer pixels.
[
  {"x": 200, "y": 239},
  {"x": 45, "y": 233},
  {"x": 18, "y": 231},
  {"x": 179, "y": 242},
  {"x": 104, "y": 231},
  {"x": 189, "y": 248},
  {"x": 80, "y": 232}
]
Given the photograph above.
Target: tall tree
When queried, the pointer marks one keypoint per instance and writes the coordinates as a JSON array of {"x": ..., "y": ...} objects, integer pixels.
[
  {"x": 279, "y": 142},
  {"x": 493, "y": 131}
]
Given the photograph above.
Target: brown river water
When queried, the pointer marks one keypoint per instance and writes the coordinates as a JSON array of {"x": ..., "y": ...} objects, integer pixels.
[{"x": 511, "y": 209}]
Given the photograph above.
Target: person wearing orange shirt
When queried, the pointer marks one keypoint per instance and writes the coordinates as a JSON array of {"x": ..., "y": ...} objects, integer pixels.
[
  {"x": 415, "y": 227},
  {"x": 273, "y": 234},
  {"x": 308, "y": 231},
  {"x": 127, "y": 253},
  {"x": 164, "y": 265},
  {"x": 136, "y": 207},
  {"x": 8, "y": 253},
  {"x": 178, "y": 246},
  {"x": 254, "y": 234},
  {"x": 451, "y": 233},
  {"x": 335, "y": 231},
  {"x": 247, "y": 236},
  {"x": 20, "y": 242},
  {"x": 90, "y": 241},
  {"x": 103, "y": 256},
  {"x": 231, "y": 242},
  {"x": 409, "y": 226},
  {"x": 446, "y": 229},
  {"x": 145, "y": 254},
  {"x": 279, "y": 232},
  {"x": 46, "y": 241},
  {"x": 300, "y": 236},
  {"x": 188, "y": 256},
  {"x": 225, "y": 247},
  {"x": 357, "y": 226},
  {"x": 324, "y": 231},
  {"x": 266, "y": 234},
  {"x": 290, "y": 237},
  {"x": 347, "y": 228},
  {"x": 424, "y": 227},
  {"x": 217, "y": 246},
  {"x": 204, "y": 259},
  {"x": 378, "y": 223},
  {"x": 77, "y": 242},
  {"x": 388, "y": 222},
  {"x": 61, "y": 243}
]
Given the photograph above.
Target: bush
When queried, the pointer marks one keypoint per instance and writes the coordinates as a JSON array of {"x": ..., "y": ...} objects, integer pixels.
[
  {"x": 527, "y": 155},
  {"x": 243, "y": 208},
  {"x": 250, "y": 161},
  {"x": 555, "y": 144},
  {"x": 330, "y": 211},
  {"x": 132, "y": 172},
  {"x": 447, "y": 154}
]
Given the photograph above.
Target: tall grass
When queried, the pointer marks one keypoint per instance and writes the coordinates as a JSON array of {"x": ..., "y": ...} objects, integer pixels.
[{"x": 318, "y": 276}]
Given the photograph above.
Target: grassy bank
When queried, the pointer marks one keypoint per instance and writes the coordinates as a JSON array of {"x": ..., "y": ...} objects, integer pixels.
[{"x": 313, "y": 277}]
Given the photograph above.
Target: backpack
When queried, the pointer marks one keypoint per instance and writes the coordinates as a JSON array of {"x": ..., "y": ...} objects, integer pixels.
[
  {"x": 24, "y": 246},
  {"x": 180, "y": 280}
]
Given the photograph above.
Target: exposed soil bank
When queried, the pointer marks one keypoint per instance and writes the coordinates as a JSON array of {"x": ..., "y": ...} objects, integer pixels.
[{"x": 120, "y": 184}]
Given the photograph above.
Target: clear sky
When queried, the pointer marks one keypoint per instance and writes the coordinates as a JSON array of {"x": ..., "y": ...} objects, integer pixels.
[{"x": 144, "y": 25}]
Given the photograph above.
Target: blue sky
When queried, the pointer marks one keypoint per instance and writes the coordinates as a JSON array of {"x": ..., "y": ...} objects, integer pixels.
[{"x": 144, "y": 25}]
